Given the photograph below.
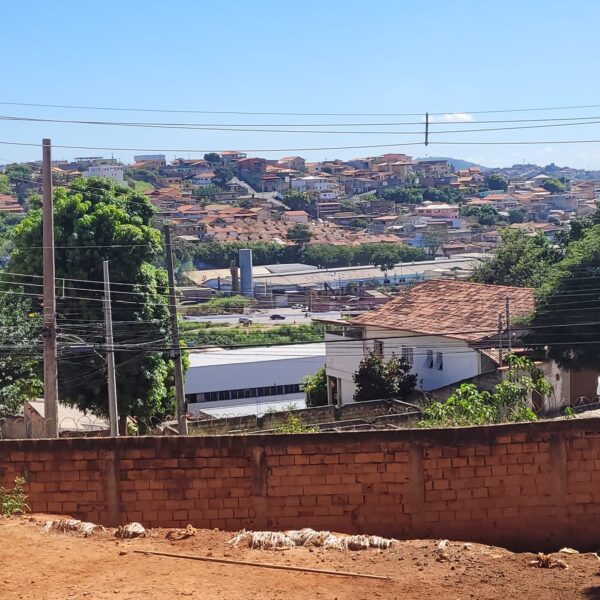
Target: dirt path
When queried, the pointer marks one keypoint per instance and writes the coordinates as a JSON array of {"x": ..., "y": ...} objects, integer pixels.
[{"x": 51, "y": 566}]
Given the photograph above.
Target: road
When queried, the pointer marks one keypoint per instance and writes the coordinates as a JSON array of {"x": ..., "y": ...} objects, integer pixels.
[{"x": 263, "y": 317}]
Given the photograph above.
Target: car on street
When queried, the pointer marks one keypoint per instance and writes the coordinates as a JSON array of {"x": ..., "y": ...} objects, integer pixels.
[
  {"x": 245, "y": 321},
  {"x": 276, "y": 317}
]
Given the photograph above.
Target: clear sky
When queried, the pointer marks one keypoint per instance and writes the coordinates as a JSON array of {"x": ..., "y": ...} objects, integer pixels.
[{"x": 313, "y": 56}]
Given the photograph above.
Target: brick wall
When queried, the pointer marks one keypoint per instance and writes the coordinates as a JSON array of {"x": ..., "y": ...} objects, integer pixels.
[{"x": 533, "y": 486}]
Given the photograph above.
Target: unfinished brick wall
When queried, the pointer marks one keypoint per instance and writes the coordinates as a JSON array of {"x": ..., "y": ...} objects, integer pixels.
[{"x": 533, "y": 486}]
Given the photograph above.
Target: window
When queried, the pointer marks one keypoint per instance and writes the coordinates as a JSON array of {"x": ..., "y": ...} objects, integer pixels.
[
  {"x": 378, "y": 347},
  {"x": 439, "y": 361},
  {"x": 429, "y": 359},
  {"x": 408, "y": 354}
]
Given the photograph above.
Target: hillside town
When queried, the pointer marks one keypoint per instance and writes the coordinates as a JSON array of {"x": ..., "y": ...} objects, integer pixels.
[
  {"x": 320, "y": 245},
  {"x": 299, "y": 302}
]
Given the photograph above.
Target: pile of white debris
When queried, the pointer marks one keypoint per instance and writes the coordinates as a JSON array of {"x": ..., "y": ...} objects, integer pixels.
[{"x": 309, "y": 538}]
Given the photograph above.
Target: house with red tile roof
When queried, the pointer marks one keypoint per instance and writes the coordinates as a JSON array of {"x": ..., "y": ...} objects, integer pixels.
[{"x": 443, "y": 328}]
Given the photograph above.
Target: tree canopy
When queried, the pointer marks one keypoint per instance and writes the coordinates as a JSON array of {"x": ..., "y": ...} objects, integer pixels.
[
  {"x": 296, "y": 200},
  {"x": 519, "y": 260},
  {"x": 495, "y": 181},
  {"x": 315, "y": 387},
  {"x": 95, "y": 220},
  {"x": 565, "y": 322},
  {"x": 212, "y": 157},
  {"x": 378, "y": 379},
  {"x": 20, "y": 353},
  {"x": 299, "y": 233},
  {"x": 553, "y": 185},
  {"x": 4, "y": 184},
  {"x": 509, "y": 401}
]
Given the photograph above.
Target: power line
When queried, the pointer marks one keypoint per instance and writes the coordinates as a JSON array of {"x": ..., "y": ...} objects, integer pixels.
[
  {"x": 186, "y": 127},
  {"x": 305, "y": 114},
  {"x": 310, "y": 149}
]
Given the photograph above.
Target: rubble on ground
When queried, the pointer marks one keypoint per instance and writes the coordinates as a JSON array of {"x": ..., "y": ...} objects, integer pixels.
[
  {"x": 131, "y": 530},
  {"x": 309, "y": 538},
  {"x": 181, "y": 534},
  {"x": 72, "y": 526},
  {"x": 545, "y": 561}
]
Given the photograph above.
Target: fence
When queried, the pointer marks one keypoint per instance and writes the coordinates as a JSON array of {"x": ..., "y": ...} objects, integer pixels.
[{"x": 527, "y": 486}]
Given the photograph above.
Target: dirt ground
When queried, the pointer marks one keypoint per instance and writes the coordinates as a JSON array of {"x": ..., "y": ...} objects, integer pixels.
[{"x": 37, "y": 565}]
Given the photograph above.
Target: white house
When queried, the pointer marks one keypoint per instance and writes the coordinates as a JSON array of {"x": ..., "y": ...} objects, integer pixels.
[
  {"x": 439, "y": 326},
  {"x": 311, "y": 183},
  {"x": 114, "y": 172},
  {"x": 203, "y": 178},
  {"x": 250, "y": 380}
]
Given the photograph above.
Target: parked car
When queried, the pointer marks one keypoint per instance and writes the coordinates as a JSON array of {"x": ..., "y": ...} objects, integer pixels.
[
  {"x": 245, "y": 321},
  {"x": 297, "y": 306},
  {"x": 276, "y": 317}
]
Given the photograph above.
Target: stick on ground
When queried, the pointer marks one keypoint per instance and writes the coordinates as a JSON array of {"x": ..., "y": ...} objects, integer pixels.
[{"x": 263, "y": 565}]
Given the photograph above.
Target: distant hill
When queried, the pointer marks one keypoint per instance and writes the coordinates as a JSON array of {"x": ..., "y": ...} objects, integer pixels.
[{"x": 457, "y": 163}]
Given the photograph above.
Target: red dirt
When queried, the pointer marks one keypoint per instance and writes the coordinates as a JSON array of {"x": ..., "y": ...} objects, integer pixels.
[{"x": 35, "y": 565}]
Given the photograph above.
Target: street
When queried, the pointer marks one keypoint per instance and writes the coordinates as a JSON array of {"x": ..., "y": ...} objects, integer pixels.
[{"x": 263, "y": 317}]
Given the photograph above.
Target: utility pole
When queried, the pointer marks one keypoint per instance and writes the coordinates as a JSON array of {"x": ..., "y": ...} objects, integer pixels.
[
  {"x": 500, "y": 357},
  {"x": 113, "y": 411},
  {"x": 49, "y": 304},
  {"x": 508, "y": 333},
  {"x": 182, "y": 424}
]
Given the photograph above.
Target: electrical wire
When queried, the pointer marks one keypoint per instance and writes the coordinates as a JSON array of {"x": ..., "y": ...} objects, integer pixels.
[{"x": 310, "y": 114}]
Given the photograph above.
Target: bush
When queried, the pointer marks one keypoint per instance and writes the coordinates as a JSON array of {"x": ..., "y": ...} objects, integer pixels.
[
  {"x": 14, "y": 501},
  {"x": 510, "y": 400}
]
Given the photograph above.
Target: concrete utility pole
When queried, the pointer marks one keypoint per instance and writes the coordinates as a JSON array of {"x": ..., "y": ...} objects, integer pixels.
[
  {"x": 113, "y": 411},
  {"x": 49, "y": 304},
  {"x": 508, "y": 332},
  {"x": 182, "y": 424},
  {"x": 500, "y": 328}
]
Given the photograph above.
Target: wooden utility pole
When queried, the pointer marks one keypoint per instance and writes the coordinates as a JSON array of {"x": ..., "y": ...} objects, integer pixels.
[
  {"x": 49, "y": 304},
  {"x": 427, "y": 129},
  {"x": 182, "y": 424},
  {"x": 113, "y": 411}
]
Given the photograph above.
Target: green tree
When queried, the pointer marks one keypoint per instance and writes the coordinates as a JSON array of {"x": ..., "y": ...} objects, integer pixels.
[
  {"x": 519, "y": 260},
  {"x": 327, "y": 256},
  {"x": 553, "y": 185},
  {"x": 565, "y": 321},
  {"x": 96, "y": 220},
  {"x": 205, "y": 191},
  {"x": 486, "y": 215},
  {"x": 517, "y": 215},
  {"x": 377, "y": 379},
  {"x": 404, "y": 195},
  {"x": 433, "y": 240},
  {"x": 222, "y": 176},
  {"x": 511, "y": 399},
  {"x": 5, "y": 185},
  {"x": 20, "y": 354},
  {"x": 213, "y": 158},
  {"x": 358, "y": 223},
  {"x": 315, "y": 387},
  {"x": 295, "y": 200},
  {"x": 495, "y": 181},
  {"x": 299, "y": 233},
  {"x": 385, "y": 259}
]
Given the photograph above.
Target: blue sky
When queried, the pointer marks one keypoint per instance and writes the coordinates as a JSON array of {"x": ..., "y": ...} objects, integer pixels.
[{"x": 327, "y": 56}]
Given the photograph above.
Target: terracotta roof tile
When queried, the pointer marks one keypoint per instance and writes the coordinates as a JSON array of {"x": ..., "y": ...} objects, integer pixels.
[{"x": 456, "y": 309}]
